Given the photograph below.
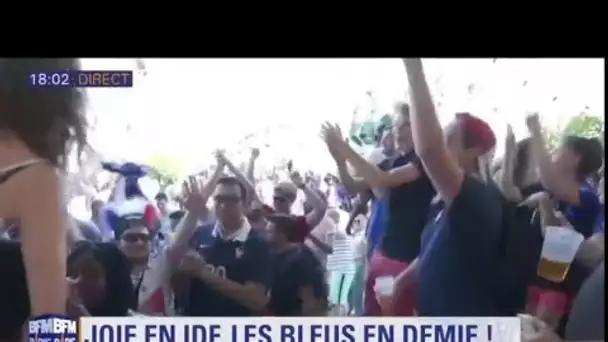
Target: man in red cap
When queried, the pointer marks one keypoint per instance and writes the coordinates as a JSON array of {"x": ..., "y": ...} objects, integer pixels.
[{"x": 460, "y": 250}]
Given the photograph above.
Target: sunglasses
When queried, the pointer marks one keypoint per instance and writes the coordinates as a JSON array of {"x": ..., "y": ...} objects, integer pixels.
[
  {"x": 132, "y": 238},
  {"x": 223, "y": 199},
  {"x": 279, "y": 199}
]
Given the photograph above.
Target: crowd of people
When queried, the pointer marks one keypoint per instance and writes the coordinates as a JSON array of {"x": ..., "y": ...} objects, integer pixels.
[{"x": 432, "y": 224}]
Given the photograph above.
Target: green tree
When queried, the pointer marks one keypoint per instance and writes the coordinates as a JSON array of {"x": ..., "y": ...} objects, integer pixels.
[
  {"x": 584, "y": 125},
  {"x": 165, "y": 168},
  {"x": 364, "y": 124}
]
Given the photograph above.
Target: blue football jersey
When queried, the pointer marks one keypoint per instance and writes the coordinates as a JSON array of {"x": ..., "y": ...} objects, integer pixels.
[{"x": 239, "y": 261}]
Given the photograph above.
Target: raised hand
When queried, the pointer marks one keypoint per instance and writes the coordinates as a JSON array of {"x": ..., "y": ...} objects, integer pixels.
[
  {"x": 332, "y": 135},
  {"x": 195, "y": 200},
  {"x": 510, "y": 136},
  {"x": 221, "y": 159},
  {"x": 296, "y": 179},
  {"x": 533, "y": 123},
  {"x": 255, "y": 153}
]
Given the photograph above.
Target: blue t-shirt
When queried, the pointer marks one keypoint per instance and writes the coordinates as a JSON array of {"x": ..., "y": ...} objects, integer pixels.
[
  {"x": 238, "y": 261},
  {"x": 583, "y": 216},
  {"x": 460, "y": 255},
  {"x": 406, "y": 212}
]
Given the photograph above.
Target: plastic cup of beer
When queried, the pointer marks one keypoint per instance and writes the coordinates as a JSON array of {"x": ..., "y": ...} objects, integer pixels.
[{"x": 558, "y": 252}]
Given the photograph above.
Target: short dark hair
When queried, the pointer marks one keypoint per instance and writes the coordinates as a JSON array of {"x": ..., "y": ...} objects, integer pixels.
[
  {"x": 590, "y": 151},
  {"x": 177, "y": 215},
  {"x": 161, "y": 196},
  {"x": 230, "y": 181},
  {"x": 47, "y": 119}
]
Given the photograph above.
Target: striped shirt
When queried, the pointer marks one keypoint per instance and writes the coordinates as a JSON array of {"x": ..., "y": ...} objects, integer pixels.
[
  {"x": 343, "y": 257},
  {"x": 324, "y": 231}
]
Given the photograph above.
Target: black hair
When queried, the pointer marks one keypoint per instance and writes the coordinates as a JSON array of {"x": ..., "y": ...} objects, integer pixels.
[
  {"x": 591, "y": 154},
  {"x": 119, "y": 296},
  {"x": 47, "y": 119},
  {"x": 229, "y": 180},
  {"x": 177, "y": 215},
  {"x": 14, "y": 296},
  {"x": 161, "y": 196},
  {"x": 522, "y": 156},
  {"x": 15, "y": 299}
]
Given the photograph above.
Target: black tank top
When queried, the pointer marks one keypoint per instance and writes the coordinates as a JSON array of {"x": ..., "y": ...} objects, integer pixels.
[{"x": 15, "y": 308}]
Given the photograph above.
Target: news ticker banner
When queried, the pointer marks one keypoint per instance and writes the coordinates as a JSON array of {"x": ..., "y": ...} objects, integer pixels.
[
  {"x": 275, "y": 329},
  {"x": 81, "y": 79}
]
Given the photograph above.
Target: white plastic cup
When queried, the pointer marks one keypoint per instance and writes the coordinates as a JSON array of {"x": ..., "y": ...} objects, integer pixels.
[
  {"x": 558, "y": 252},
  {"x": 384, "y": 286},
  {"x": 531, "y": 327}
]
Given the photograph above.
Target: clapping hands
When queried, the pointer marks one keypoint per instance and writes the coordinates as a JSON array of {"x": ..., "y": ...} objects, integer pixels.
[
  {"x": 332, "y": 135},
  {"x": 192, "y": 263}
]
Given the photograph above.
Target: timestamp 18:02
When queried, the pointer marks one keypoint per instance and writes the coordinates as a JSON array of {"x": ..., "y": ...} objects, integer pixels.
[{"x": 82, "y": 78}]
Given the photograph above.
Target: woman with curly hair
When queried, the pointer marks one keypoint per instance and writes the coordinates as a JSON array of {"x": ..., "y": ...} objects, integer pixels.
[{"x": 37, "y": 129}]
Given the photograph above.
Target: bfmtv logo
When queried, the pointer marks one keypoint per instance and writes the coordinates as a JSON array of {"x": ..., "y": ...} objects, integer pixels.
[{"x": 52, "y": 328}]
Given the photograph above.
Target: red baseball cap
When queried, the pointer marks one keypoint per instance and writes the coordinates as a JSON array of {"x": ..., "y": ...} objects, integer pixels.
[{"x": 482, "y": 134}]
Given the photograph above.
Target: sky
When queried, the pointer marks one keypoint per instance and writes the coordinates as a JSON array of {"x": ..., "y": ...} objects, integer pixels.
[{"x": 190, "y": 107}]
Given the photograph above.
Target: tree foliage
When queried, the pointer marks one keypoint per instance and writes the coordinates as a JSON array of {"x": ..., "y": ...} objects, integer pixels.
[
  {"x": 165, "y": 168},
  {"x": 584, "y": 125},
  {"x": 365, "y": 122}
]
